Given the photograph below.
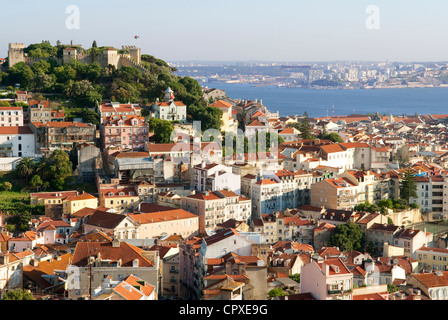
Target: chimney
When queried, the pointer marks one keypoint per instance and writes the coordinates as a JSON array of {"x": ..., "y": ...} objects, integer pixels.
[
  {"x": 326, "y": 268},
  {"x": 116, "y": 243},
  {"x": 4, "y": 258}
]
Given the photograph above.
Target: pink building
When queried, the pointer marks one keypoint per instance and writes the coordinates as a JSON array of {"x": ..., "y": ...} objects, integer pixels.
[
  {"x": 11, "y": 116},
  {"x": 124, "y": 132},
  {"x": 327, "y": 280}
]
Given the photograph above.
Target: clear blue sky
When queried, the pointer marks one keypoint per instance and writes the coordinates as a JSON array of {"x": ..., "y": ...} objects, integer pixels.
[{"x": 281, "y": 30}]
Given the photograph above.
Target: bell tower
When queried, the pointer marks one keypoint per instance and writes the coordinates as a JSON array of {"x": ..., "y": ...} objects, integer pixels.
[{"x": 169, "y": 95}]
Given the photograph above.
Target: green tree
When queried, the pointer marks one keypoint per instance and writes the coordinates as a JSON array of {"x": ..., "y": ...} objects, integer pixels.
[
  {"x": 18, "y": 294},
  {"x": 367, "y": 207},
  {"x": 408, "y": 186},
  {"x": 278, "y": 292},
  {"x": 305, "y": 127},
  {"x": 36, "y": 181},
  {"x": 6, "y": 186},
  {"x": 347, "y": 237},
  {"x": 4, "y": 104},
  {"x": 60, "y": 168},
  {"x": 402, "y": 155},
  {"x": 24, "y": 168},
  {"x": 22, "y": 74},
  {"x": 333, "y": 136},
  {"x": 162, "y": 129},
  {"x": 43, "y": 82},
  {"x": 295, "y": 277},
  {"x": 83, "y": 93},
  {"x": 391, "y": 288}
]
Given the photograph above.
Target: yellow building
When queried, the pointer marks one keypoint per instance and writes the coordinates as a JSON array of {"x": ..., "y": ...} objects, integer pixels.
[
  {"x": 432, "y": 259},
  {"x": 119, "y": 199},
  {"x": 73, "y": 204},
  {"x": 45, "y": 198},
  {"x": 228, "y": 123}
]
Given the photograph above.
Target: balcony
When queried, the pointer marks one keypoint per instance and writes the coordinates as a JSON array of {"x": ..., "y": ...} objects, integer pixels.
[{"x": 334, "y": 291}]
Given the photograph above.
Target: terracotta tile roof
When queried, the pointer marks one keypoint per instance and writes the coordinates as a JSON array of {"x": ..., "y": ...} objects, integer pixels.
[
  {"x": 349, "y": 145},
  {"x": 4, "y": 237},
  {"x": 341, "y": 267},
  {"x": 106, "y": 220},
  {"x": 332, "y": 148},
  {"x": 84, "y": 212},
  {"x": 329, "y": 251},
  {"x": 266, "y": 182},
  {"x": 256, "y": 123},
  {"x": 48, "y": 267},
  {"x": 127, "y": 120},
  {"x": 384, "y": 227},
  {"x": 16, "y": 130},
  {"x": 324, "y": 226},
  {"x": 27, "y": 236},
  {"x": 340, "y": 182},
  {"x": 221, "y": 104},
  {"x": 95, "y": 235},
  {"x": 156, "y": 217},
  {"x": 433, "y": 280},
  {"x": 134, "y": 288},
  {"x": 54, "y": 195},
  {"x": 65, "y": 124},
  {"x": 126, "y": 252},
  {"x": 83, "y": 196},
  {"x": 297, "y": 221},
  {"x": 54, "y": 223},
  {"x": 221, "y": 235},
  {"x": 371, "y": 296},
  {"x": 287, "y": 131},
  {"x": 434, "y": 250},
  {"x": 109, "y": 193}
]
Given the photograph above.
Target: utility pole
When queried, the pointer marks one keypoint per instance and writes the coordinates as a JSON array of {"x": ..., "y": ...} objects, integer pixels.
[{"x": 90, "y": 279}]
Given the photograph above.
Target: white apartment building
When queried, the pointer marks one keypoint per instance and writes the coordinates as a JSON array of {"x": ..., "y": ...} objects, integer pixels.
[
  {"x": 295, "y": 187},
  {"x": 17, "y": 141},
  {"x": 216, "y": 207},
  {"x": 213, "y": 177},
  {"x": 432, "y": 193}
]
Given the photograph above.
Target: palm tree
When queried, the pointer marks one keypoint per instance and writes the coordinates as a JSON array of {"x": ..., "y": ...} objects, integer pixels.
[
  {"x": 25, "y": 168},
  {"x": 41, "y": 168}
]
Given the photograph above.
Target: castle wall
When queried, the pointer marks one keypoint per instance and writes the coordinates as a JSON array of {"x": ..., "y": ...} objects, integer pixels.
[{"x": 109, "y": 57}]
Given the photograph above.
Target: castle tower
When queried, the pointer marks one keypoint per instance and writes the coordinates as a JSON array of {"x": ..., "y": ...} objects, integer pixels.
[
  {"x": 16, "y": 53},
  {"x": 68, "y": 54},
  {"x": 111, "y": 57},
  {"x": 134, "y": 53}
]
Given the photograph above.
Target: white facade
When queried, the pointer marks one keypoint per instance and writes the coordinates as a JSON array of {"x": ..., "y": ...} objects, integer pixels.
[
  {"x": 216, "y": 177},
  {"x": 14, "y": 143},
  {"x": 235, "y": 243}
]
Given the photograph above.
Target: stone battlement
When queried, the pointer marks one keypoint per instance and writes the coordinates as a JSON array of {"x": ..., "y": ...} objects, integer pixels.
[{"x": 16, "y": 54}]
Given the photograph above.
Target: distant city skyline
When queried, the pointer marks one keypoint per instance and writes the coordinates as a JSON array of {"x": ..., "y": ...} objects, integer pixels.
[{"x": 198, "y": 30}]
